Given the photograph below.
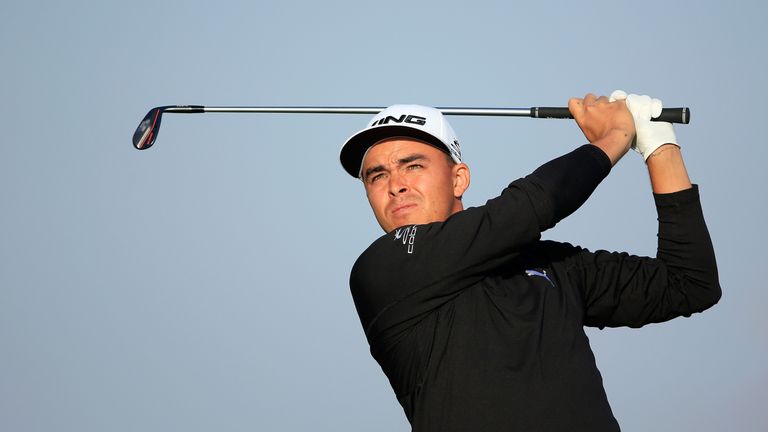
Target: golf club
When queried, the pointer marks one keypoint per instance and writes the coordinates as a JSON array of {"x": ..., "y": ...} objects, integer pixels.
[{"x": 146, "y": 133}]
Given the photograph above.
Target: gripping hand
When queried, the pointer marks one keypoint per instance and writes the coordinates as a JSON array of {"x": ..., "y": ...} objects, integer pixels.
[{"x": 649, "y": 135}]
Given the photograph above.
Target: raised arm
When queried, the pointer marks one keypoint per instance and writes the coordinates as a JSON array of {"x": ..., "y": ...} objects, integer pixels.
[{"x": 621, "y": 289}]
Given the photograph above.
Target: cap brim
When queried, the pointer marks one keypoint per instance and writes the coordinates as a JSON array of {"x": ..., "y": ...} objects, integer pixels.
[{"x": 353, "y": 151}]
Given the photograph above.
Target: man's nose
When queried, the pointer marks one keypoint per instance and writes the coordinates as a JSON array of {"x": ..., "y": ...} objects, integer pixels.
[{"x": 397, "y": 184}]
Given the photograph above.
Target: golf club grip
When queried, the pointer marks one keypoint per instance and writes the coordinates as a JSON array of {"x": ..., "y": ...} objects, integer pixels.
[{"x": 671, "y": 115}]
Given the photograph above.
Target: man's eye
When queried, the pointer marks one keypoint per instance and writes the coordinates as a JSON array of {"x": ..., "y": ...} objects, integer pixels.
[
  {"x": 375, "y": 178},
  {"x": 415, "y": 167}
]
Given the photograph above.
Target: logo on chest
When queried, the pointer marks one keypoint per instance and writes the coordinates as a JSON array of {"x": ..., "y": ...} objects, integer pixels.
[{"x": 408, "y": 236}]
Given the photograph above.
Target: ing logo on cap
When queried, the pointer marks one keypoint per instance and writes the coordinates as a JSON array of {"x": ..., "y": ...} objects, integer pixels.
[{"x": 405, "y": 118}]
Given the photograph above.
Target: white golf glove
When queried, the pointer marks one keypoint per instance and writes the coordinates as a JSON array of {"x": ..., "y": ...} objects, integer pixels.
[{"x": 649, "y": 135}]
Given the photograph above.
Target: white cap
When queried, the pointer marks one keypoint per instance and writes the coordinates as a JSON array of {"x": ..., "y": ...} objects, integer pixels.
[{"x": 423, "y": 123}]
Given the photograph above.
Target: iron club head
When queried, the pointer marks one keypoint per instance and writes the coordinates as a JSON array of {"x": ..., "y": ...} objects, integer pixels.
[{"x": 146, "y": 133}]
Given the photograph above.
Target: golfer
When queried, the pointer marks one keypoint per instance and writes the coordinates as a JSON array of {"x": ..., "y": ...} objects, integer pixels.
[{"x": 479, "y": 324}]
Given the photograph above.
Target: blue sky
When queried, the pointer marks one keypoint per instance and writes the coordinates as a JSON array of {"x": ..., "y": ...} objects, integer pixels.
[{"x": 202, "y": 284}]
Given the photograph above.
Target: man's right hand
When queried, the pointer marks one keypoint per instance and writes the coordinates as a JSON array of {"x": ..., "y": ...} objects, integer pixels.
[{"x": 606, "y": 125}]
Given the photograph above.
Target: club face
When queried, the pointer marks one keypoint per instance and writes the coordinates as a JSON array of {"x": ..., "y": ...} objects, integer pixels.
[{"x": 146, "y": 133}]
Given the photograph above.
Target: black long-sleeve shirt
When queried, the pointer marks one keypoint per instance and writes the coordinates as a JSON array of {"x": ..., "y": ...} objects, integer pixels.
[{"x": 479, "y": 325}]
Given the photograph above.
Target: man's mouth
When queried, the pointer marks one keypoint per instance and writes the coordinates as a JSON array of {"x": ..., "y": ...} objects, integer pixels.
[{"x": 401, "y": 208}]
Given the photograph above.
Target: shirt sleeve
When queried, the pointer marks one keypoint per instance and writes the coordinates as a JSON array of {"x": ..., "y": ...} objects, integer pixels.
[
  {"x": 415, "y": 269},
  {"x": 625, "y": 290}
]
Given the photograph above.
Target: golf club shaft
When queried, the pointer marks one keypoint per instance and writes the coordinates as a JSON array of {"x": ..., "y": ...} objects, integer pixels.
[{"x": 672, "y": 115}]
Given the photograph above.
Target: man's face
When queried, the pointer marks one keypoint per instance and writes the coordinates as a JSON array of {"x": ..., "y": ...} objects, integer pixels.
[{"x": 408, "y": 182}]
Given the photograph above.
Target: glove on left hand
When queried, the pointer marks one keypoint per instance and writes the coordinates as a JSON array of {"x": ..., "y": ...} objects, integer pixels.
[{"x": 649, "y": 135}]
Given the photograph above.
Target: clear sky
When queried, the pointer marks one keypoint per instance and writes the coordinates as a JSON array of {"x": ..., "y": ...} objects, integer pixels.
[{"x": 202, "y": 284}]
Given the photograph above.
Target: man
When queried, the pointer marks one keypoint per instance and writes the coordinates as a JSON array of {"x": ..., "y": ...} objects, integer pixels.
[{"x": 476, "y": 322}]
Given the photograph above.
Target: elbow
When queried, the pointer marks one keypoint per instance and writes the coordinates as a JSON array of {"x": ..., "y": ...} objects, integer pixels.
[
  {"x": 712, "y": 288},
  {"x": 713, "y": 296},
  {"x": 716, "y": 293},
  {"x": 708, "y": 295},
  {"x": 701, "y": 286}
]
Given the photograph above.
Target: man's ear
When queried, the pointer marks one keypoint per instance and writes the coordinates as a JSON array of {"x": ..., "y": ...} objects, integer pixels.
[{"x": 460, "y": 179}]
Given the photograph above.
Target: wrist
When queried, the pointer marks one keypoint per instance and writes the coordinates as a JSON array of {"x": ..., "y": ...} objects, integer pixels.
[
  {"x": 615, "y": 144},
  {"x": 658, "y": 153},
  {"x": 667, "y": 170}
]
